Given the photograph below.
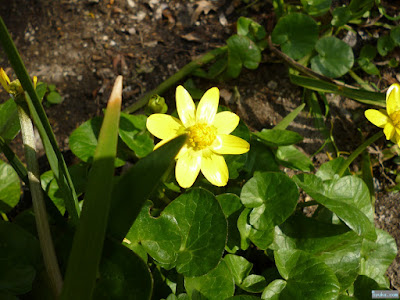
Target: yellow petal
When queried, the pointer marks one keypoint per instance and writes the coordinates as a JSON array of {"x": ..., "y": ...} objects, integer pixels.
[
  {"x": 185, "y": 107},
  {"x": 397, "y": 139},
  {"x": 377, "y": 117},
  {"x": 214, "y": 169},
  {"x": 393, "y": 99},
  {"x": 389, "y": 130},
  {"x": 164, "y": 126},
  {"x": 208, "y": 106},
  {"x": 230, "y": 144},
  {"x": 226, "y": 122},
  {"x": 4, "y": 80},
  {"x": 187, "y": 168}
]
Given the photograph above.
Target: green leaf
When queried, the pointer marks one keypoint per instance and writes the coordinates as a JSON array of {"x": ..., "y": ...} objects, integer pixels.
[
  {"x": 377, "y": 257},
  {"x": 182, "y": 234},
  {"x": 307, "y": 277},
  {"x": 243, "y": 297},
  {"x": 335, "y": 245},
  {"x": 84, "y": 257},
  {"x": 340, "y": 16},
  {"x": 274, "y": 289},
  {"x": 291, "y": 157},
  {"x": 297, "y": 35},
  {"x": 134, "y": 187},
  {"x": 316, "y": 7},
  {"x": 20, "y": 258},
  {"x": 242, "y": 51},
  {"x": 9, "y": 122},
  {"x": 123, "y": 275},
  {"x": 251, "y": 29},
  {"x": 328, "y": 170},
  {"x": 83, "y": 141},
  {"x": 132, "y": 130},
  {"x": 385, "y": 45},
  {"x": 253, "y": 283},
  {"x": 367, "y": 97},
  {"x": 10, "y": 189},
  {"x": 215, "y": 285},
  {"x": 368, "y": 51},
  {"x": 335, "y": 58},
  {"x": 277, "y": 137},
  {"x": 260, "y": 158},
  {"x": 272, "y": 197},
  {"x": 54, "y": 98},
  {"x": 367, "y": 54},
  {"x": 284, "y": 123},
  {"x": 395, "y": 35},
  {"x": 347, "y": 197},
  {"x": 239, "y": 266}
]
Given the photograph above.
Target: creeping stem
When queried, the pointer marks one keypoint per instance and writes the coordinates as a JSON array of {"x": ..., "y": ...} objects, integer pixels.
[{"x": 42, "y": 225}]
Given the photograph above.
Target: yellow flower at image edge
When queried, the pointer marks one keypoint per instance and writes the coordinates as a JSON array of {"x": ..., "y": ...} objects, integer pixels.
[
  {"x": 389, "y": 120},
  {"x": 208, "y": 137}
]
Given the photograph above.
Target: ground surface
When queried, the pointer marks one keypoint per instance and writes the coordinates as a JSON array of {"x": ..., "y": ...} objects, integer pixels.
[{"x": 81, "y": 46}]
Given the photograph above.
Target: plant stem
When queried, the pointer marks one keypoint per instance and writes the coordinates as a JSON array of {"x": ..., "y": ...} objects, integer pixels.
[
  {"x": 358, "y": 151},
  {"x": 182, "y": 73},
  {"x": 42, "y": 225},
  {"x": 361, "y": 82}
]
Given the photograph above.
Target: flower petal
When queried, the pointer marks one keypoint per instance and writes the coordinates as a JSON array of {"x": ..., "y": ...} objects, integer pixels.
[
  {"x": 208, "y": 106},
  {"x": 185, "y": 107},
  {"x": 214, "y": 168},
  {"x": 389, "y": 130},
  {"x": 164, "y": 126},
  {"x": 230, "y": 144},
  {"x": 393, "y": 99},
  {"x": 187, "y": 168},
  {"x": 4, "y": 80},
  {"x": 226, "y": 122},
  {"x": 377, "y": 117}
]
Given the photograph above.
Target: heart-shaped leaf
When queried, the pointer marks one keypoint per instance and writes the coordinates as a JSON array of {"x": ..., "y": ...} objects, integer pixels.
[
  {"x": 215, "y": 285},
  {"x": 316, "y": 7},
  {"x": 291, "y": 157},
  {"x": 335, "y": 58},
  {"x": 296, "y": 33},
  {"x": 183, "y": 234}
]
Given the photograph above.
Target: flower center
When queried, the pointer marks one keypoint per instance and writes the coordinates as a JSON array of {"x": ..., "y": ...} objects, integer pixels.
[
  {"x": 395, "y": 117},
  {"x": 201, "y": 136}
]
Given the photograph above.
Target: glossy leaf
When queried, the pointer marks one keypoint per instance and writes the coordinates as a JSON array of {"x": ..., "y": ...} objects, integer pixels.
[
  {"x": 260, "y": 158},
  {"x": 190, "y": 233},
  {"x": 274, "y": 289},
  {"x": 242, "y": 52},
  {"x": 9, "y": 123},
  {"x": 277, "y": 137},
  {"x": 335, "y": 245},
  {"x": 335, "y": 58},
  {"x": 215, "y": 285},
  {"x": 123, "y": 275},
  {"x": 296, "y": 33},
  {"x": 83, "y": 140},
  {"x": 307, "y": 277},
  {"x": 291, "y": 157},
  {"x": 251, "y": 29},
  {"x": 253, "y": 283},
  {"x": 239, "y": 266},
  {"x": 10, "y": 188},
  {"x": 132, "y": 130},
  {"x": 272, "y": 198},
  {"x": 377, "y": 257},
  {"x": 330, "y": 169},
  {"x": 347, "y": 197}
]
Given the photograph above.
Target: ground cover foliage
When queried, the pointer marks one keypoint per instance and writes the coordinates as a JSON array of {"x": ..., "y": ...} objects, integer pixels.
[{"x": 131, "y": 232}]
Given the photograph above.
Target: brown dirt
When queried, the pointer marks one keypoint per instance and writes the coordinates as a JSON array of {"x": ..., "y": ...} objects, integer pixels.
[{"x": 81, "y": 46}]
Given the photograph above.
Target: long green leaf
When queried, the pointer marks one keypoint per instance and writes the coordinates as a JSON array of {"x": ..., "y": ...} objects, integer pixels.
[
  {"x": 133, "y": 189},
  {"x": 38, "y": 114},
  {"x": 362, "y": 96},
  {"x": 88, "y": 241},
  {"x": 289, "y": 118}
]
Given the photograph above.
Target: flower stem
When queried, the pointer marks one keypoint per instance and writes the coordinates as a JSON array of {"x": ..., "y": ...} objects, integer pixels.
[
  {"x": 42, "y": 225},
  {"x": 358, "y": 151},
  {"x": 182, "y": 73}
]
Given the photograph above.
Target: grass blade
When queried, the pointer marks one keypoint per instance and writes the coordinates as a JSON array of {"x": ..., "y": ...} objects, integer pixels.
[
  {"x": 289, "y": 118},
  {"x": 38, "y": 114},
  {"x": 88, "y": 241}
]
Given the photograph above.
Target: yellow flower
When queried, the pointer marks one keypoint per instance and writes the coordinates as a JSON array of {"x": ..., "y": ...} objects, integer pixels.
[
  {"x": 389, "y": 120},
  {"x": 4, "y": 80},
  {"x": 208, "y": 137}
]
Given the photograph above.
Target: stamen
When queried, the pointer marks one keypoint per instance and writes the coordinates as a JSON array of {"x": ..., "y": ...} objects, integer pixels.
[{"x": 201, "y": 136}]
